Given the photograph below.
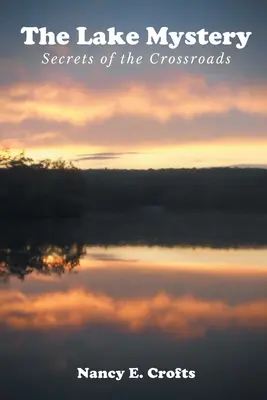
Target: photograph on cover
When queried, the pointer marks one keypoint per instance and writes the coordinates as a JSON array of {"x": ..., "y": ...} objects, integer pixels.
[{"x": 133, "y": 199}]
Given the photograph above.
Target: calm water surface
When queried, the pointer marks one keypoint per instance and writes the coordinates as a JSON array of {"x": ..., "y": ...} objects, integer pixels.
[{"x": 121, "y": 306}]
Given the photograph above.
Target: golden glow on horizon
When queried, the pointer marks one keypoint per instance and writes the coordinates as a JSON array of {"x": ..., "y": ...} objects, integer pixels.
[{"x": 177, "y": 156}]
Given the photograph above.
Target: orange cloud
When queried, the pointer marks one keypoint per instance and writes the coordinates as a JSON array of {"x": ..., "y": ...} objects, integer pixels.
[
  {"x": 187, "y": 96},
  {"x": 183, "y": 317}
]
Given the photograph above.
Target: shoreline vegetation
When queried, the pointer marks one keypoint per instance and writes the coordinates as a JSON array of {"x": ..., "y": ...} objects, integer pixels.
[
  {"x": 49, "y": 246},
  {"x": 56, "y": 189},
  {"x": 37, "y": 189}
]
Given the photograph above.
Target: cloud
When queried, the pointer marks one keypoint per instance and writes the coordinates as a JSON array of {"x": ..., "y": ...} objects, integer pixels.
[
  {"x": 110, "y": 258},
  {"x": 124, "y": 134},
  {"x": 96, "y": 158},
  {"x": 182, "y": 316},
  {"x": 61, "y": 115},
  {"x": 102, "y": 156},
  {"x": 186, "y": 97}
]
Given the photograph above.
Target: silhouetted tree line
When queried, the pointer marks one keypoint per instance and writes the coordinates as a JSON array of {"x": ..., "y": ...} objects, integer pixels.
[
  {"x": 45, "y": 188},
  {"x": 214, "y": 189},
  {"x": 58, "y": 189}
]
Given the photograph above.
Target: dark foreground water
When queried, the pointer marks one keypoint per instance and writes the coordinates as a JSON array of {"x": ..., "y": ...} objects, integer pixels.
[{"x": 75, "y": 295}]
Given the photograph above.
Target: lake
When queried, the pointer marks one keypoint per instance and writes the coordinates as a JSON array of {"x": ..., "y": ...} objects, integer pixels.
[{"x": 100, "y": 295}]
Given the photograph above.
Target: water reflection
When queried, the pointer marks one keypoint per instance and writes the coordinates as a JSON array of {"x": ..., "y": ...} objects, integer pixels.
[
  {"x": 183, "y": 317},
  {"x": 169, "y": 290},
  {"x": 131, "y": 305},
  {"x": 44, "y": 259}
]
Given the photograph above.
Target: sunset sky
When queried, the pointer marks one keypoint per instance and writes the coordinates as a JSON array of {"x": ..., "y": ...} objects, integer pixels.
[{"x": 141, "y": 116}]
